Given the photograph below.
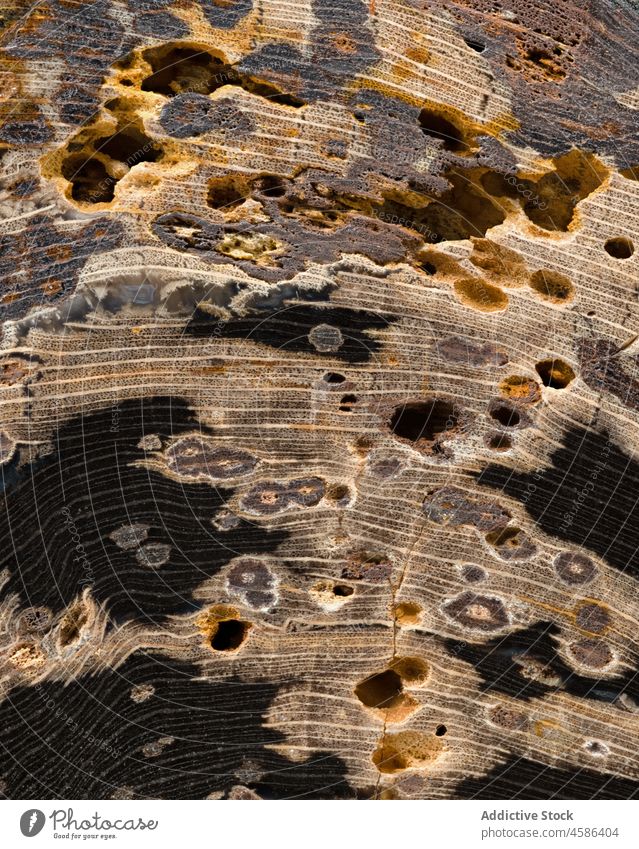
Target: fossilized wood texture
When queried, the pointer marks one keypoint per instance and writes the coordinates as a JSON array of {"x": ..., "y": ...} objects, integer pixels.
[{"x": 319, "y": 399}]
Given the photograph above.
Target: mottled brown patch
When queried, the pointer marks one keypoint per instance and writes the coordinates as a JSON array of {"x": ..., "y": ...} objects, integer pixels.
[
  {"x": 200, "y": 458},
  {"x": 592, "y": 616},
  {"x": 574, "y": 568},
  {"x": 455, "y": 507},
  {"x": 478, "y": 612},
  {"x": 470, "y": 352},
  {"x": 405, "y": 750},
  {"x": 591, "y": 652},
  {"x": 509, "y": 718},
  {"x": 520, "y": 389}
]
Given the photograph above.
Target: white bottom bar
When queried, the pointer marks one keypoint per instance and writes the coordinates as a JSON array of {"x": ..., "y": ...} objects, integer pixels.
[{"x": 302, "y": 824}]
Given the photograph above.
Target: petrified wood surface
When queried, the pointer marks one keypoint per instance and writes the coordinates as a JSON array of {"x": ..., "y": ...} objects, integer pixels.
[{"x": 319, "y": 399}]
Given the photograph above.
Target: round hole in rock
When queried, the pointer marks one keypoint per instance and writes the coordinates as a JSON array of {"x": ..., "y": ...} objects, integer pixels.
[
  {"x": 555, "y": 373},
  {"x": 342, "y": 590},
  {"x": 346, "y": 403},
  {"x": 271, "y": 186},
  {"x": 620, "y": 247},
  {"x": 229, "y": 635},
  {"x": 499, "y": 442},
  {"x": 382, "y": 690},
  {"x": 440, "y": 730},
  {"x": 226, "y": 193},
  {"x": 438, "y": 127},
  {"x": 506, "y": 415},
  {"x": 339, "y": 494},
  {"x": 333, "y": 377},
  {"x": 596, "y": 748},
  {"x": 423, "y": 419}
]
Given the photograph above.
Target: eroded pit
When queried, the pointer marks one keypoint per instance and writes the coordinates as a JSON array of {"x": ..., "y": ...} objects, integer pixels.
[
  {"x": 100, "y": 155},
  {"x": 437, "y": 126},
  {"x": 385, "y": 691},
  {"x": 230, "y": 634},
  {"x": 381, "y": 691},
  {"x": 407, "y": 749},
  {"x": 555, "y": 373},
  {"x": 178, "y": 68},
  {"x": 425, "y": 423}
]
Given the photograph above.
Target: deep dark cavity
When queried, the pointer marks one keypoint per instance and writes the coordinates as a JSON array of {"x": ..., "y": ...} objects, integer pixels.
[
  {"x": 92, "y": 179},
  {"x": 270, "y": 185},
  {"x": 180, "y": 69},
  {"x": 88, "y": 488},
  {"x": 586, "y": 495},
  {"x": 620, "y": 247},
  {"x": 381, "y": 690},
  {"x": 333, "y": 377},
  {"x": 499, "y": 441},
  {"x": 342, "y": 590},
  {"x": 91, "y": 183},
  {"x": 462, "y": 211},
  {"x": 436, "y": 126},
  {"x": 229, "y": 635},
  {"x": 347, "y": 402},
  {"x": 475, "y": 44},
  {"x": 505, "y": 414},
  {"x": 555, "y": 373},
  {"x": 423, "y": 420},
  {"x": 226, "y": 193},
  {"x": 214, "y": 730},
  {"x": 177, "y": 69}
]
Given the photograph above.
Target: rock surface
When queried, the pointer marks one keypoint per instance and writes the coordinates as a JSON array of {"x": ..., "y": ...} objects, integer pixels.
[{"x": 320, "y": 399}]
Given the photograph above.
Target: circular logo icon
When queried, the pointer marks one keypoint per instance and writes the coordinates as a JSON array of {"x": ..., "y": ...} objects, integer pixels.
[{"x": 32, "y": 822}]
